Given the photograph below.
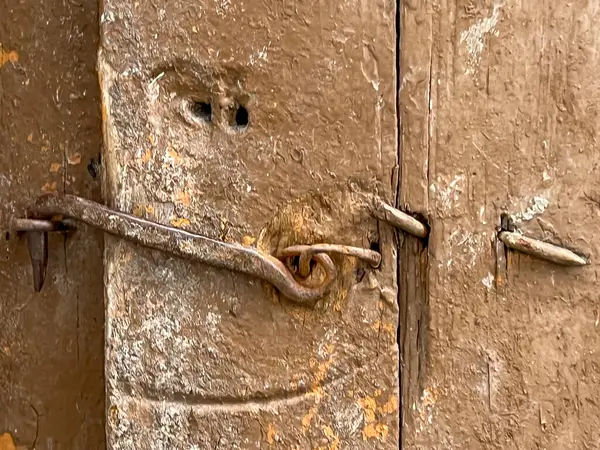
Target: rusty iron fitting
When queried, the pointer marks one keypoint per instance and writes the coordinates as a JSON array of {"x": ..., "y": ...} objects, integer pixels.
[
  {"x": 172, "y": 240},
  {"x": 26, "y": 225},
  {"x": 181, "y": 243},
  {"x": 306, "y": 253},
  {"x": 399, "y": 219},
  {"x": 540, "y": 249}
]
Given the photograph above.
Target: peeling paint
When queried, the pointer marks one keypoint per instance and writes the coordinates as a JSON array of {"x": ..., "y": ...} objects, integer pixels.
[
  {"x": 212, "y": 322},
  {"x": 271, "y": 434},
  {"x": 374, "y": 429},
  {"x": 537, "y": 206},
  {"x": 248, "y": 241},
  {"x": 385, "y": 327},
  {"x": 183, "y": 198},
  {"x": 260, "y": 55},
  {"x": 370, "y": 67},
  {"x": 49, "y": 187},
  {"x": 307, "y": 418},
  {"x": 473, "y": 38},
  {"x": 447, "y": 193},
  {"x": 391, "y": 406},
  {"x": 425, "y": 408},
  {"x": 464, "y": 247},
  {"x": 180, "y": 222},
  {"x": 488, "y": 280},
  {"x": 332, "y": 437},
  {"x": 75, "y": 159}
]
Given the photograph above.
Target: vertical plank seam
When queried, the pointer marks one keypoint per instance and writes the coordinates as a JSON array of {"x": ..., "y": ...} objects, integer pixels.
[{"x": 397, "y": 201}]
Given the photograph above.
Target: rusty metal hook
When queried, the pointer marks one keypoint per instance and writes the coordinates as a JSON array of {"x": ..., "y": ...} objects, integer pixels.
[
  {"x": 179, "y": 242},
  {"x": 307, "y": 252}
]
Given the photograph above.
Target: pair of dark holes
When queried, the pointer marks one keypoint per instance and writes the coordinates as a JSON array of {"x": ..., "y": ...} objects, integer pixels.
[{"x": 203, "y": 111}]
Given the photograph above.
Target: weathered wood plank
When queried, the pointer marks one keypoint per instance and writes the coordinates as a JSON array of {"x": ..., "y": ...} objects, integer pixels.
[
  {"x": 514, "y": 122},
  {"x": 416, "y": 120},
  {"x": 51, "y": 343},
  {"x": 202, "y": 358}
]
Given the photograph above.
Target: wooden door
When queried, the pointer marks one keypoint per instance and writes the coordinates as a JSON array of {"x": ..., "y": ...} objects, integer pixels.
[
  {"x": 267, "y": 124},
  {"x": 272, "y": 124}
]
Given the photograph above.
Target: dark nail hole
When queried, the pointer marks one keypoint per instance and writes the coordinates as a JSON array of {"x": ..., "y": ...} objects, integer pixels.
[
  {"x": 92, "y": 168},
  {"x": 241, "y": 117},
  {"x": 375, "y": 246},
  {"x": 7, "y": 236},
  {"x": 360, "y": 274},
  {"x": 506, "y": 222},
  {"x": 202, "y": 110}
]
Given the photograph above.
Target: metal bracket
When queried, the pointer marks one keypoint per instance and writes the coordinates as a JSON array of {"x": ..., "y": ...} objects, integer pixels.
[{"x": 300, "y": 286}]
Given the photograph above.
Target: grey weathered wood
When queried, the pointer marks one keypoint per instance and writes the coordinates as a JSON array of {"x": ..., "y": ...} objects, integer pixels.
[{"x": 203, "y": 358}]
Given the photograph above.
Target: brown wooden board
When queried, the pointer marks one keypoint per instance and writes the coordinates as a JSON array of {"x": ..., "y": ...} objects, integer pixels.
[
  {"x": 203, "y": 358},
  {"x": 51, "y": 344},
  {"x": 499, "y": 114}
]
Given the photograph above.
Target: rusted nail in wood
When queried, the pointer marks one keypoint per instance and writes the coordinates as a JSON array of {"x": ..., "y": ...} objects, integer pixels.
[
  {"x": 18, "y": 224},
  {"x": 541, "y": 249},
  {"x": 400, "y": 220}
]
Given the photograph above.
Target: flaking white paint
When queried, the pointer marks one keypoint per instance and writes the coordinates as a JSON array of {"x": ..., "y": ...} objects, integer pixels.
[
  {"x": 537, "y": 206},
  {"x": 473, "y": 37}
]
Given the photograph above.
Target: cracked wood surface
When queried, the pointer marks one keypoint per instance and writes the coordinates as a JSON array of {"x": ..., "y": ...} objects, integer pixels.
[
  {"x": 203, "y": 358},
  {"x": 499, "y": 115}
]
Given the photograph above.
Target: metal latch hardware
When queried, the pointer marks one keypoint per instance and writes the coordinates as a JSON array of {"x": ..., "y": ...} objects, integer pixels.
[
  {"x": 296, "y": 283},
  {"x": 295, "y": 286}
]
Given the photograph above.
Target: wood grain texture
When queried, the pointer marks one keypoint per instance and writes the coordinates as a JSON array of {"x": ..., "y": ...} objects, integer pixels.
[
  {"x": 204, "y": 358},
  {"x": 513, "y": 122},
  {"x": 51, "y": 343}
]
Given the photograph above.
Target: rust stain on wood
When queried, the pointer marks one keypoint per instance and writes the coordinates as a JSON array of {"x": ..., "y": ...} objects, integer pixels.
[
  {"x": 7, "y": 442},
  {"x": 7, "y": 56}
]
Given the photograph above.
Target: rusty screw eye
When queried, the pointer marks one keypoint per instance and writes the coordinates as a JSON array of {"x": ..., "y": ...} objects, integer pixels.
[
  {"x": 302, "y": 260},
  {"x": 321, "y": 269}
]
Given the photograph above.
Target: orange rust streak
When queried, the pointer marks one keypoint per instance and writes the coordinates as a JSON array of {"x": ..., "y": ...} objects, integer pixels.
[
  {"x": 6, "y": 56},
  {"x": 7, "y": 442},
  {"x": 49, "y": 187},
  {"x": 179, "y": 222},
  {"x": 271, "y": 432}
]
